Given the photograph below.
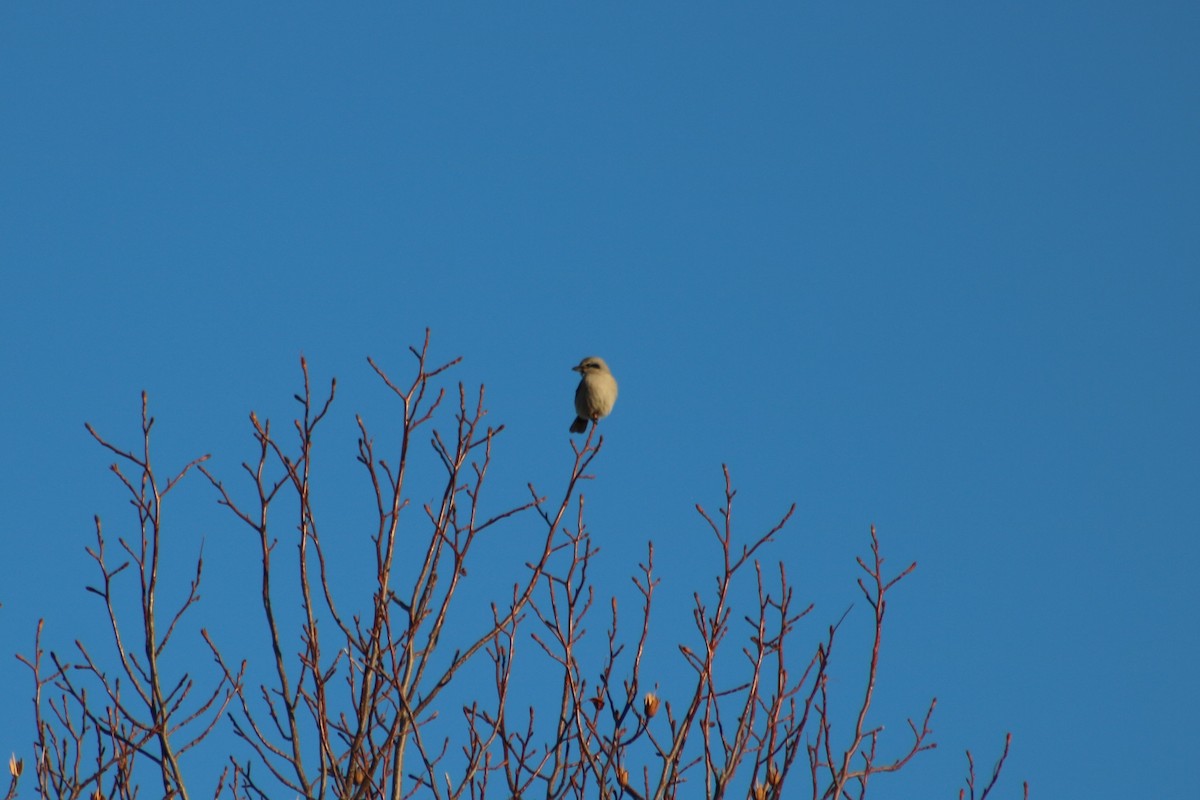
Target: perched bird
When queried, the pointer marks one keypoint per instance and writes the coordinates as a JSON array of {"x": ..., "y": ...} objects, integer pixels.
[{"x": 596, "y": 393}]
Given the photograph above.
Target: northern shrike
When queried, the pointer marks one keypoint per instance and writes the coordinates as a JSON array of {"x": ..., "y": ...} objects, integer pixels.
[{"x": 596, "y": 394}]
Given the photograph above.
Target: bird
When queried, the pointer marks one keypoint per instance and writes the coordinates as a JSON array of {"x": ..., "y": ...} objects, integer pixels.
[{"x": 596, "y": 393}]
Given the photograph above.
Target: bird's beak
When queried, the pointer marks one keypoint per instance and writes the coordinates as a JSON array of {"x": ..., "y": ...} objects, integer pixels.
[{"x": 577, "y": 368}]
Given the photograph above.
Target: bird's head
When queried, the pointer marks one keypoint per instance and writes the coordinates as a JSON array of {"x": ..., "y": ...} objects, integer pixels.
[{"x": 591, "y": 364}]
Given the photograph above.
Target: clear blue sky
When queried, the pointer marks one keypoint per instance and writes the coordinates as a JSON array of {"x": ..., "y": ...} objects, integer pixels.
[{"x": 931, "y": 265}]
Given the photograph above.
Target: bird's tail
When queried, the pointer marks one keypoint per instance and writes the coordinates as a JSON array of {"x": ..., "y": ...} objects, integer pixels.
[{"x": 579, "y": 425}]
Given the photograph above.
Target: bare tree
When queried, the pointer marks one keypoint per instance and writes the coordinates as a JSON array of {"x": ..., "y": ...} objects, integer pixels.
[{"x": 363, "y": 706}]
